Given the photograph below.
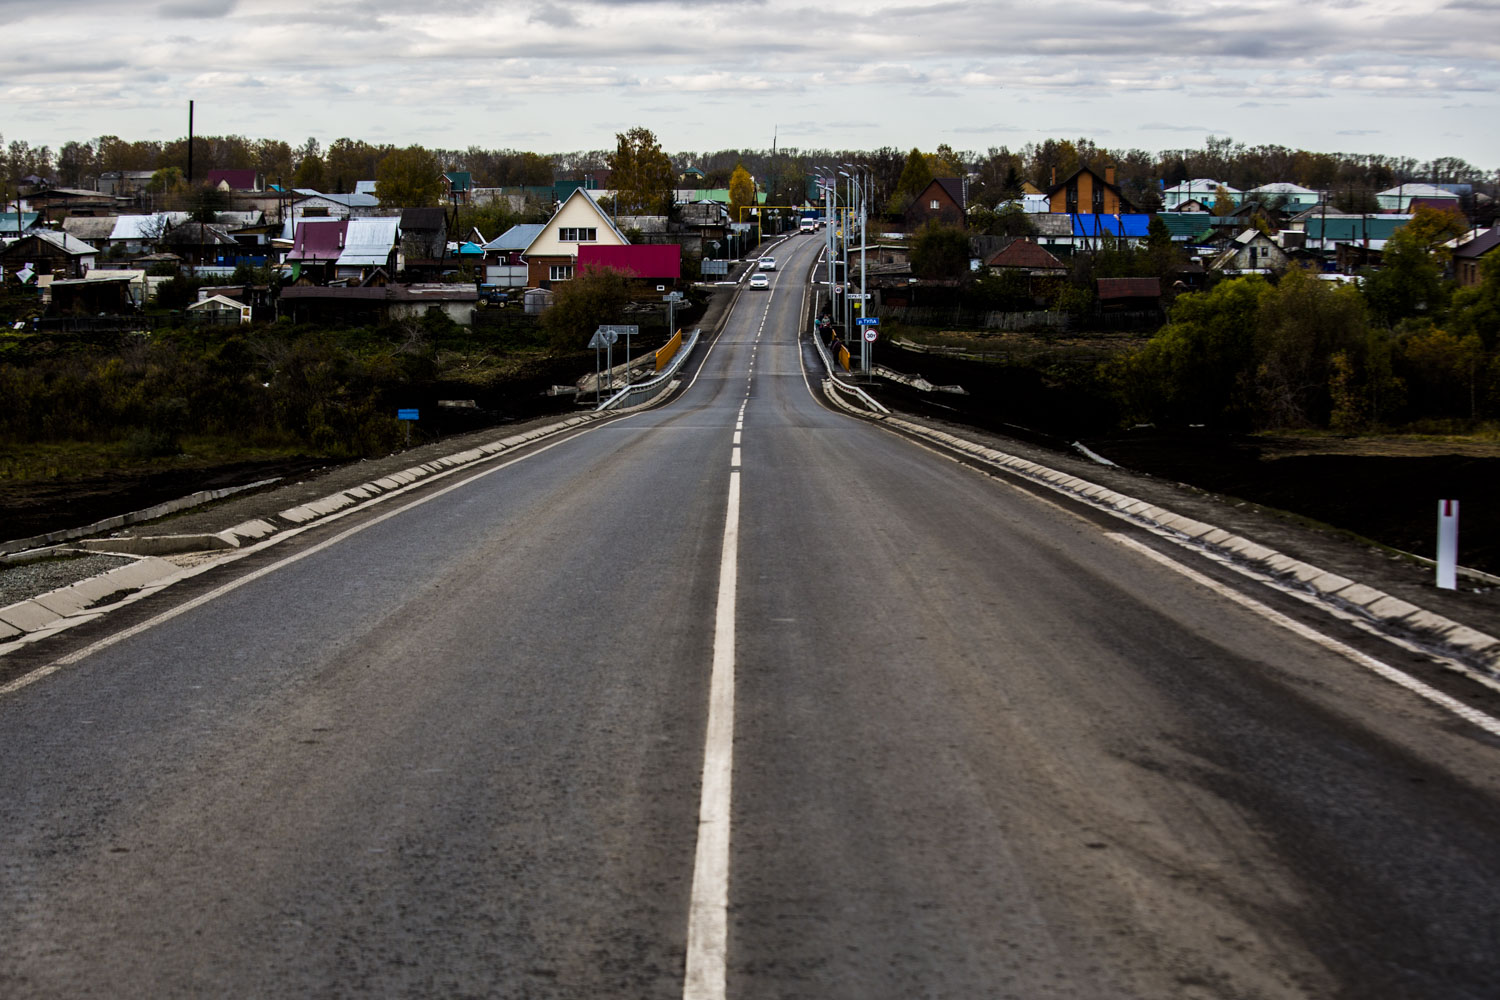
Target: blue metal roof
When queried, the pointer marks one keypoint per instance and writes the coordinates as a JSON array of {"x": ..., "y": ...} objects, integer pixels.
[
  {"x": 517, "y": 237},
  {"x": 1088, "y": 224}
]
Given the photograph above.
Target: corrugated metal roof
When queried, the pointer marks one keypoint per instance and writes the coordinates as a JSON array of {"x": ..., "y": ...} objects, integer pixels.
[
  {"x": 1026, "y": 254},
  {"x": 1088, "y": 224},
  {"x": 319, "y": 239},
  {"x": 646, "y": 260},
  {"x": 517, "y": 237},
  {"x": 67, "y": 244},
  {"x": 1186, "y": 225},
  {"x": 369, "y": 241},
  {"x": 146, "y": 227},
  {"x": 1345, "y": 228}
]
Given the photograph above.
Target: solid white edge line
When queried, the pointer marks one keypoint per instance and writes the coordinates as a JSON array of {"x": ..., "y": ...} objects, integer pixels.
[
  {"x": 706, "y": 970},
  {"x": 1488, "y": 723}
]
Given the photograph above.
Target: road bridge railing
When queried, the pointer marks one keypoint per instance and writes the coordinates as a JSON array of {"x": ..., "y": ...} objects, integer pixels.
[{"x": 644, "y": 392}]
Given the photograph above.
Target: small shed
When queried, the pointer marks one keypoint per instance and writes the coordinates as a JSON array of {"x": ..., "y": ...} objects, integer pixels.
[{"x": 220, "y": 309}]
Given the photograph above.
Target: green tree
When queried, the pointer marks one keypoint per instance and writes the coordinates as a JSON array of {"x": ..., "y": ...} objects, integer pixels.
[
  {"x": 915, "y": 177},
  {"x": 1300, "y": 325},
  {"x": 593, "y": 297},
  {"x": 351, "y": 160},
  {"x": 1009, "y": 220},
  {"x": 1476, "y": 310},
  {"x": 1197, "y": 368},
  {"x": 409, "y": 178},
  {"x": 641, "y": 174},
  {"x": 741, "y": 192},
  {"x": 940, "y": 251},
  {"x": 309, "y": 173},
  {"x": 1409, "y": 282}
]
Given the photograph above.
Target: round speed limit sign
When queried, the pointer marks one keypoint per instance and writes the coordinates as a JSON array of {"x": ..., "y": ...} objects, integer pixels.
[{"x": 870, "y": 333}]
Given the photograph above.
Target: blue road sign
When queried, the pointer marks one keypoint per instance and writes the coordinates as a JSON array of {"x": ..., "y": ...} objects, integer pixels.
[
  {"x": 406, "y": 414},
  {"x": 867, "y": 321}
]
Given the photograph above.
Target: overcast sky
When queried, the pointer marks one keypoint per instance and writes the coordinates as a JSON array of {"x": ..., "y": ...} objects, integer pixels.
[{"x": 1401, "y": 77}]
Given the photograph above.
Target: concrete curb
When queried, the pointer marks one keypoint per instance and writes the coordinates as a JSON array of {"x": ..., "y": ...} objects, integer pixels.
[
  {"x": 134, "y": 517},
  {"x": 70, "y": 605},
  {"x": 1470, "y": 646}
]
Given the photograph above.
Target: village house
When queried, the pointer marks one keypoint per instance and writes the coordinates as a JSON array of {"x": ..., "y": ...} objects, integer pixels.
[
  {"x": 941, "y": 200},
  {"x": 1251, "y": 252},
  {"x": 1084, "y": 191},
  {"x": 1469, "y": 257},
  {"x": 579, "y": 221},
  {"x": 47, "y": 255}
]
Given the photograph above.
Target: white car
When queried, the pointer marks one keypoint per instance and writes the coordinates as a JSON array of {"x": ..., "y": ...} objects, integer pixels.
[
  {"x": 768, "y": 263},
  {"x": 759, "y": 281}
]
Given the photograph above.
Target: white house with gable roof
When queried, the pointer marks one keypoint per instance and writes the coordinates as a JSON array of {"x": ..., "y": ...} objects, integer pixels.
[{"x": 552, "y": 254}]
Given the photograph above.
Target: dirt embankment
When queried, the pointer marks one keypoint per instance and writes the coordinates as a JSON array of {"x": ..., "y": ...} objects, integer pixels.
[{"x": 1383, "y": 489}]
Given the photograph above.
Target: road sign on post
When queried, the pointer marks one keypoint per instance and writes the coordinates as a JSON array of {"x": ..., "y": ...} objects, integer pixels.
[
  {"x": 867, "y": 321},
  {"x": 870, "y": 334},
  {"x": 407, "y": 418}
]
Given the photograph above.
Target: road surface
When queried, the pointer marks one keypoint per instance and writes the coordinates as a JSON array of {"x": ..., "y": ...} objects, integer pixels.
[{"x": 737, "y": 697}]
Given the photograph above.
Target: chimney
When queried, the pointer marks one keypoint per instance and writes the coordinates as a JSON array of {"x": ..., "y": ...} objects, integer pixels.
[{"x": 1109, "y": 174}]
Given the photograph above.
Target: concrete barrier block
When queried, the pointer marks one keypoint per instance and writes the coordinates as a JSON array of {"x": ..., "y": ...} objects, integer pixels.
[
  {"x": 1392, "y": 609},
  {"x": 1360, "y": 594},
  {"x": 248, "y": 531},
  {"x": 9, "y": 631},
  {"x": 1216, "y": 536},
  {"x": 1467, "y": 638},
  {"x": 1247, "y": 549},
  {"x": 1329, "y": 583},
  {"x": 298, "y": 515},
  {"x": 28, "y": 616},
  {"x": 63, "y": 602}
]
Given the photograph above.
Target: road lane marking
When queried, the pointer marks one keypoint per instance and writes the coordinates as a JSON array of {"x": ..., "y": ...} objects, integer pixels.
[
  {"x": 708, "y": 913},
  {"x": 1488, "y": 723}
]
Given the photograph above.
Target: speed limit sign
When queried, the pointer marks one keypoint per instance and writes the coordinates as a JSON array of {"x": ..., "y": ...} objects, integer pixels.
[{"x": 870, "y": 333}]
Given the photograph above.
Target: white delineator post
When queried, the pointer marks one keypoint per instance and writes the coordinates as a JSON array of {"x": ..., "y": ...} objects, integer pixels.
[{"x": 1447, "y": 547}]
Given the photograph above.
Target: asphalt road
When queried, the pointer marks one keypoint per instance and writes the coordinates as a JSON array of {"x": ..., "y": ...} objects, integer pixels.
[{"x": 981, "y": 745}]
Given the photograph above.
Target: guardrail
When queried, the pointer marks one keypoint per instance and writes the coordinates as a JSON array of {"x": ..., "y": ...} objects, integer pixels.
[
  {"x": 642, "y": 392},
  {"x": 833, "y": 379}
]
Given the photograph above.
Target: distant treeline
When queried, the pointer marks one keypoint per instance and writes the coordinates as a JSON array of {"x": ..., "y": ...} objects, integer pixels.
[{"x": 994, "y": 173}]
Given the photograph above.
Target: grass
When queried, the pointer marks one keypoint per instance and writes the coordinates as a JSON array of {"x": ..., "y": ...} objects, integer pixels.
[{"x": 63, "y": 460}]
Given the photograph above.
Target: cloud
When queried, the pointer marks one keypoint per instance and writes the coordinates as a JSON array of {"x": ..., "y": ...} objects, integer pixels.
[
  {"x": 196, "y": 9},
  {"x": 554, "y": 16},
  {"x": 1173, "y": 127},
  {"x": 1358, "y": 131}
]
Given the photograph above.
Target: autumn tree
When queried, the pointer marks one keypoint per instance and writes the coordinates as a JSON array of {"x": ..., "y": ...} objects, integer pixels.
[
  {"x": 641, "y": 174},
  {"x": 409, "y": 178},
  {"x": 741, "y": 192}
]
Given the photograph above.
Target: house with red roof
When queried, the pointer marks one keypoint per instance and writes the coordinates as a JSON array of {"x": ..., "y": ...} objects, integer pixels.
[{"x": 648, "y": 261}]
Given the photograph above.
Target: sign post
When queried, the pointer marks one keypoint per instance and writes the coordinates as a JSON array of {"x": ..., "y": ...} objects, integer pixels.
[
  {"x": 871, "y": 329},
  {"x": 407, "y": 417},
  {"x": 1447, "y": 547}
]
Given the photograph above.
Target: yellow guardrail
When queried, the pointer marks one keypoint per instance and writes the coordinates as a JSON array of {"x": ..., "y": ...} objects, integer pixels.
[
  {"x": 844, "y": 357},
  {"x": 668, "y": 351}
]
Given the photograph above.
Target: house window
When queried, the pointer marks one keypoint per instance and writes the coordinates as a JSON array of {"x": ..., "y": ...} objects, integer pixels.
[
  {"x": 933, "y": 204},
  {"x": 577, "y": 234},
  {"x": 560, "y": 272}
]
